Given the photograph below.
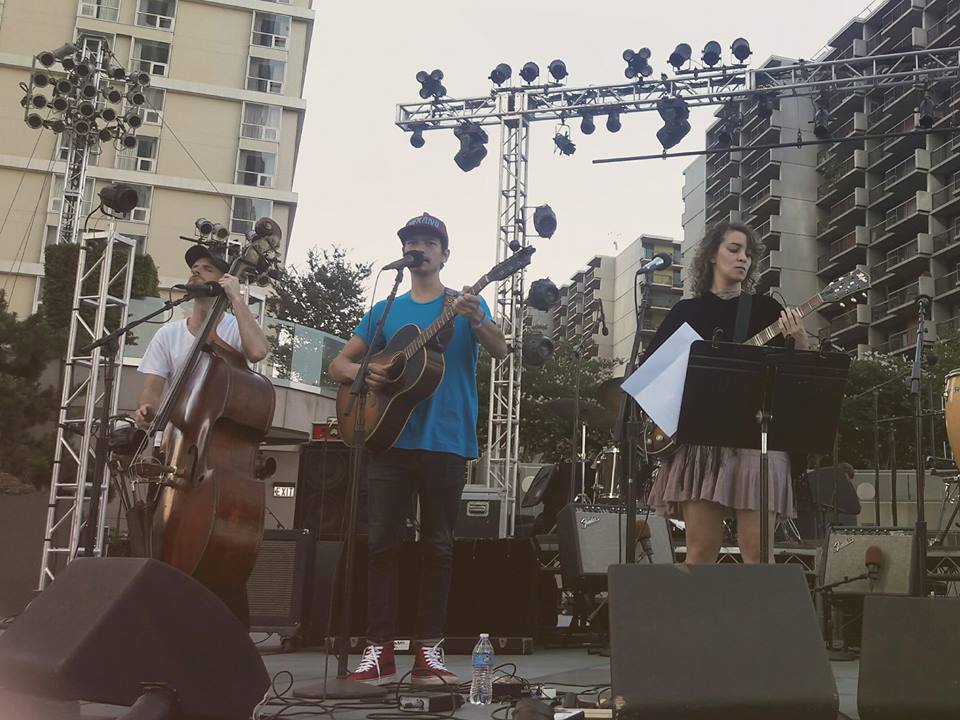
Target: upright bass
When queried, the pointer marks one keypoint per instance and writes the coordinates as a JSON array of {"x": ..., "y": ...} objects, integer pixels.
[{"x": 208, "y": 515}]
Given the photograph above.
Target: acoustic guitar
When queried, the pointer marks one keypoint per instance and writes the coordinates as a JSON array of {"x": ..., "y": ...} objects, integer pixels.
[
  {"x": 414, "y": 368},
  {"x": 659, "y": 444}
]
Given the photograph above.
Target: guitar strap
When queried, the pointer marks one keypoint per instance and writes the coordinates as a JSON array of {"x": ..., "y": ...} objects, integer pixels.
[
  {"x": 742, "y": 326},
  {"x": 443, "y": 338}
]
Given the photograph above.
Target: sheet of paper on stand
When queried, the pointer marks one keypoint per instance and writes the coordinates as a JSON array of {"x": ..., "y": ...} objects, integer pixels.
[{"x": 657, "y": 385}]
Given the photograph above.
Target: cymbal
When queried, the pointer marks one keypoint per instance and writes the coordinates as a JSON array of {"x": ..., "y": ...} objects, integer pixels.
[
  {"x": 609, "y": 393},
  {"x": 591, "y": 413}
]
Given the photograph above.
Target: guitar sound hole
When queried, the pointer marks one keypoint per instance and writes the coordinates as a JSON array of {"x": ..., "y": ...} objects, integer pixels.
[{"x": 396, "y": 367}]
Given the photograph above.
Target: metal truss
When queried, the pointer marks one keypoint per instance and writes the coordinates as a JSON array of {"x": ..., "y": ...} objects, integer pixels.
[
  {"x": 101, "y": 296},
  {"x": 514, "y": 108}
]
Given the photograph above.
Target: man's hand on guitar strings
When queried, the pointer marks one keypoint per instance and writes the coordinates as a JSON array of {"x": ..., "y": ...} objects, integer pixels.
[
  {"x": 468, "y": 305},
  {"x": 377, "y": 376}
]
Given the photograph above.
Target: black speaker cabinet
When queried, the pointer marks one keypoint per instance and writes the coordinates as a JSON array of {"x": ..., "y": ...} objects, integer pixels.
[
  {"x": 910, "y": 659},
  {"x": 107, "y": 625},
  {"x": 844, "y": 554},
  {"x": 592, "y": 539},
  {"x": 322, "y": 490},
  {"x": 717, "y": 642},
  {"x": 277, "y": 587}
]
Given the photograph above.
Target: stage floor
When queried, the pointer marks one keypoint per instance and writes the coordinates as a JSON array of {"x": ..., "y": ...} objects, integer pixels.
[{"x": 565, "y": 669}]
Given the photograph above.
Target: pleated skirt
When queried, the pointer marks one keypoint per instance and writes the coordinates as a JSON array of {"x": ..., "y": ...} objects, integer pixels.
[{"x": 727, "y": 476}]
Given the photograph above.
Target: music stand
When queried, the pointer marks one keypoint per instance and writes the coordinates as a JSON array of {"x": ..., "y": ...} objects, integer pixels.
[{"x": 793, "y": 395}]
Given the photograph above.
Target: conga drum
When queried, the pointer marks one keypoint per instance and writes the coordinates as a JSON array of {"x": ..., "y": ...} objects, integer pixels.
[{"x": 951, "y": 410}]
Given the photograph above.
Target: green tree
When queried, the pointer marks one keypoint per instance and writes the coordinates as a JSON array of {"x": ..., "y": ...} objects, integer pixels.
[{"x": 327, "y": 295}]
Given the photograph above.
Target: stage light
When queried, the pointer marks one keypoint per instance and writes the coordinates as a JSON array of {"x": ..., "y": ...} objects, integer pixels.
[
  {"x": 204, "y": 226},
  {"x": 129, "y": 141},
  {"x": 220, "y": 232},
  {"x": 586, "y": 124},
  {"x": 34, "y": 121},
  {"x": 537, "y": 349},
  {"x": 501, "y": 73},
  {"x": 118, "y": 73},
  {"x": 105, "y": 135},
  {"x": 68, "y": 63},
  {"x": 118, "y": 197},
  {"x": 741, "y": 49},
  {"x": 40, "y": 79},
  {"x": 135, "y": 97},
  {"x": 62, "y": 53},
  {"x": 89, "y": 91},
  {"x": 637, "y": 65},
  {"x": 530, "y": 72},
  {"x": 139, "y": 78},
  {"x": 113, "y": 95},
  {"x": 544, "y": 295},
  {"x": 133, "y": 120},
  {"x": 473, "y": 147},
  {"x": 108, "y": 114},
  {"x": 83, "y": 69},
  {"x": 416, "y": 138},
  {"x": 821, "y": 124},
  {"x": 925, "y": 117},
  {"x": 680, "y": 55},
  {"x": 46, "y": 58},
  {"x": 711, "y": 53},
  {"x": 430, "y": 85},
  {"x": 729, "y": 127},
  {"x": 545, "y": 221},
  {"x": 38, "y": 101},
  {"x": 564, "y": 144},
  {"x": 764, "y": 107},
  {"x": 81, "y": 127},
  {"x": 613, "y": 121},
  {"x": 86, "y": 108},
  {"x": 674, "y": 112},
  {"x": 60, "y": 103},
  {"x": 558, "y": 70},
  {"x": 64, "y": 87},
  {"x": 56, "y": 126}
]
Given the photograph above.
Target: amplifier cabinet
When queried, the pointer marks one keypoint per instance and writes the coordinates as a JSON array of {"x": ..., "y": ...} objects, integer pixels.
[
  {"x": 592, "y": 538},
  {"x": 277, "y": 587},
  {"x": 844, "y": 554}
]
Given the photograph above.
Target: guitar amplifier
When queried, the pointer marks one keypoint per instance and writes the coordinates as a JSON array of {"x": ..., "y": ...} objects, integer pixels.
[
  {"x": 592, "y": 538},
  {"x": 277, "y": 586},
  {"x": 844, "y": 556}
]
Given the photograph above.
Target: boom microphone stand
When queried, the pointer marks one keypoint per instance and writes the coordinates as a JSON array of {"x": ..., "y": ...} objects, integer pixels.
[{"x": 920, "y": 531}]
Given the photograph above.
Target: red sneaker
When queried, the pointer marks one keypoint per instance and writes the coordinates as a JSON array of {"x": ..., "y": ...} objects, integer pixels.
[
  {"x": 429, "y": 667},
  {"x": 377, "y": 665}
]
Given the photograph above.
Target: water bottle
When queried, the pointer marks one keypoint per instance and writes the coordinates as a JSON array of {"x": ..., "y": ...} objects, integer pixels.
[{"x": 481, "y": 686}]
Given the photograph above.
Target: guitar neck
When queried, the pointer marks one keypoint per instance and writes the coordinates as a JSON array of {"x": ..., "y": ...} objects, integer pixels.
[
  {"x": 430, "y": 332},
  {"x": 771, "y": 331}
]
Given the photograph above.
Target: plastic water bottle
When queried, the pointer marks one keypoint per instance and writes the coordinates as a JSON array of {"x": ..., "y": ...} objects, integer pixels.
[{"x": 481, "y": 686}]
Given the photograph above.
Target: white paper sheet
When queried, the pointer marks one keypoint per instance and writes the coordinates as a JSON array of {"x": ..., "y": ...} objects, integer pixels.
[{"x": 657, "y": 385}]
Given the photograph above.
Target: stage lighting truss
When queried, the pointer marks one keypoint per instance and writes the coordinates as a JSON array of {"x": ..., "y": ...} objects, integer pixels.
[{"x": 82, "y": 94}]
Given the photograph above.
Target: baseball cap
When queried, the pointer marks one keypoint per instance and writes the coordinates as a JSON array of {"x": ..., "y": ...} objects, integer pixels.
[
  {"x": 426, "y": 224},
  {"x": 195, "y": 252}
]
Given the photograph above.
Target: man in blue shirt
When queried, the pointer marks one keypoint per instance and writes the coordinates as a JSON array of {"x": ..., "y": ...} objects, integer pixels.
[{"x": 427, "y": 460}]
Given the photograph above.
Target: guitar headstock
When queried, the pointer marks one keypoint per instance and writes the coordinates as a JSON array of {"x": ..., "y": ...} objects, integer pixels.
[
  {"x": 843, "y": 287},
  {"x": 508, "y": 267}
]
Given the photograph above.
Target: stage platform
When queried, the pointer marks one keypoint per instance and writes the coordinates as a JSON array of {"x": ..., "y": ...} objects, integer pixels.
[{"x": 567, "y": 670}]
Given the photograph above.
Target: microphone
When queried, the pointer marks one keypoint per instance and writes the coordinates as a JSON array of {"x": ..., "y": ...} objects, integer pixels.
[
  {"x": 873, "y": 559},
  {"x": 263, "y": 228},
  {"x": 207, "y": 289},
  {"x": 643, "y": 537},
  {"x": 414, "y": 258},
  {"x": 660, "y": 261},
  {"x": 603, "y": 321}
]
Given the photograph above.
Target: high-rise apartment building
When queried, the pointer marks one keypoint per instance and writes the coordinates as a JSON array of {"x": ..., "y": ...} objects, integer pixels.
[
  {"x": 889, "y": 206},
  {"x": 220, "y": 134}
]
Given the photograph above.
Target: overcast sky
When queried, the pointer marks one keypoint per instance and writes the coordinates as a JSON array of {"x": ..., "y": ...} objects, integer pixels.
[{"x": 359, "y": 178}]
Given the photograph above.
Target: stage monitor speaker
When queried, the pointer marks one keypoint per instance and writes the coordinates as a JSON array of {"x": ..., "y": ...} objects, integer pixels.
[
  {"x": 592, "y": 539},
  {"x": 908, "y": 659},
  {"x": 717, "y": 642},
  {"x": 844, "y": 556},
  {"x": 322, "y": 490},
  {"x": 276, "y": 589},
  {"x": 106, "y": 626}
]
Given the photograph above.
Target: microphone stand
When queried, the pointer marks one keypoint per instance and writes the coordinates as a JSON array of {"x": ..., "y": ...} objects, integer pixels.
[
  {"x": 574, "y": 495},
  {"x": 920, "y": 531},
  {"x": 111, "y": 346}
]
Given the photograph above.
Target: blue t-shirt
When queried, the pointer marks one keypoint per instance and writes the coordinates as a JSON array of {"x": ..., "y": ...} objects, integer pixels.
[{"x": 446, "y": 421}]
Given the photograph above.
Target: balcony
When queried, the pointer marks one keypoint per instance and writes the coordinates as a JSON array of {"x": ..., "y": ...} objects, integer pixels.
[
  {"x": 851, "y": 326},
  {"x": 764, "y": 202},
  {"x": 843, "y": 105},
  {"x": 904, "y": 221},
  {"x": 900, "y": 147},
  {"x": 768, "y": 267},
  {"x": 844, "y": 216},
  {"x": 765, "y": 132},
  {"x": 946, "y": 245},
  {"x": 724, "y": 199},
  {"x": 946, "y": 157},
  {"x": 901, "y": 302},
  {"x": 945, "y": 286},
  {"x": 840, "y": 179},
  {"x": 721, "y": 174},
  {"x": 948, "y": 329},
  {"x": 762, "y": 169},
  {"x": 908, "y": 260},
  {"x": 719, "y": 161},
  {"x": 902, "y": 16},
  {"x": 768, "y": 232},
  {"x": 910, "y": 175},
  {"x": 946, "y": 201},
  {"x": 904, "y": 340},
  {"x": 945, "y": 31},
  {"x": 845, "y": 253}
]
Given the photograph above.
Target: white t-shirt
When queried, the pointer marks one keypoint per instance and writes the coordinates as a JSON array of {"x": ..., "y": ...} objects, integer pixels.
[{"x": 171, "y": 345}]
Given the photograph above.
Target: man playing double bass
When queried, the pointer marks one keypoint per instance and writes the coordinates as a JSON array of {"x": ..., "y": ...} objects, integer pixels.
[
  {"x": 428, "y": 459},
  {"x": 171, "y": 345}
]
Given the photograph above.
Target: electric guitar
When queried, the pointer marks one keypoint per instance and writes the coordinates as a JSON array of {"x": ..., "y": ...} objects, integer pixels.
[
  {"x": 414, "y": 368},
  {"x": 659, "y": 444}
]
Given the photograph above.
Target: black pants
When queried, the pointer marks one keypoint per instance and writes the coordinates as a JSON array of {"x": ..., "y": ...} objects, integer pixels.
[{"x": 394, "y": 478}]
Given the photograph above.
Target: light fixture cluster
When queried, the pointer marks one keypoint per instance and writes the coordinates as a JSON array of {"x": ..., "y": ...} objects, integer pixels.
[
  {"x": 711, "y": 55},
  {"x": 78, "y": 93}
]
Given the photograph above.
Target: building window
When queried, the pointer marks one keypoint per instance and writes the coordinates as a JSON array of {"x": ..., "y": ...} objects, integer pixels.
[
  {"x": 677, "y": 281},
  {"x": 160, "y": 14},
  {"x": 108, "y": 10},
  {"x": 56, "y": 195},
  {"x": 140, "y": 240},
  {"x": 256, "y": 168},
  {"x": 260, "y": 122},
  {"x": 647, "y": 252},
  {"x": 266, "y": 75},
  {"x": 50, "y": 236},
  {"x": 270, "y": 30},
  {"x": 91, "y": 43},
  {"x": 141, "y": 213},
  {"x": 152, "y": 110},
  {"x": 246, "y": 211},
  {"x": 151, "y": 56},
  {"x": 143, "y": 157}
]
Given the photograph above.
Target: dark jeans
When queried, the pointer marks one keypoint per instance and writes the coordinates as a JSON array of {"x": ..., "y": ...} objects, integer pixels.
[{"x": 394, "y": 479}]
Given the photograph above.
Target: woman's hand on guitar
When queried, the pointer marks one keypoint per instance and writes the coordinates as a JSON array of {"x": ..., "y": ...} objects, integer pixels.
[
  {"x": 468, "y": 306},
  {"x": 791, "y": 323}
]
